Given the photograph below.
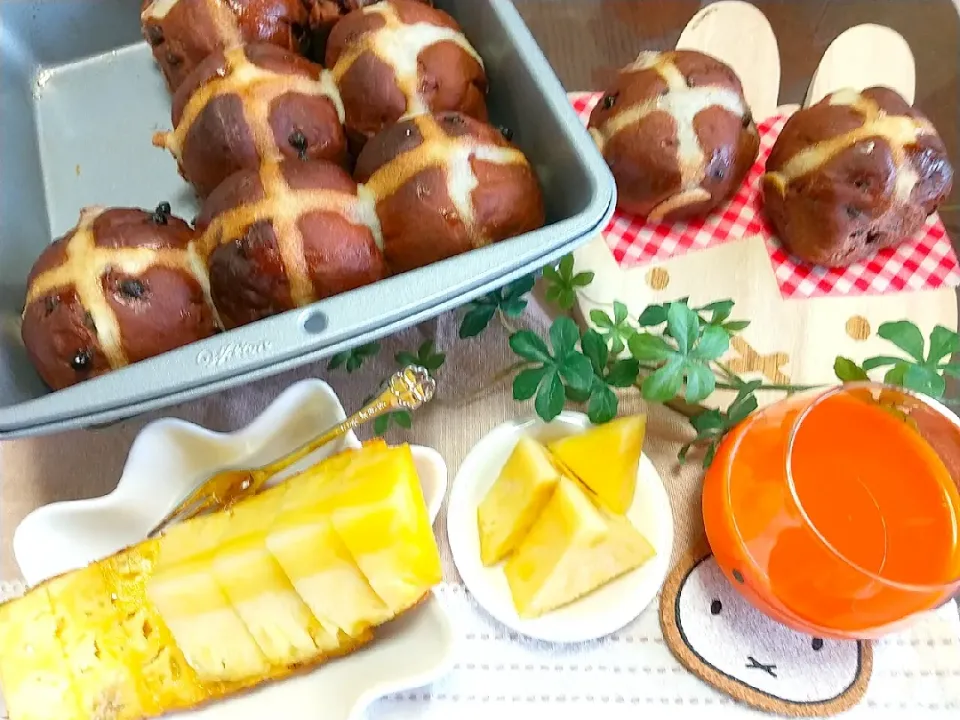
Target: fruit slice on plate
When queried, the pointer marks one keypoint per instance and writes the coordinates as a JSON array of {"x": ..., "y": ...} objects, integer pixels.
[
  {"x": 515, "y": 500},
  {"x": 213, "y": 637},
  {"x": 572, "y": 549},
  {"x": 605, "y": 459}
]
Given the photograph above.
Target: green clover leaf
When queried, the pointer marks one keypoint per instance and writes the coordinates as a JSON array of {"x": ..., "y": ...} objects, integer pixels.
[
  {"x": 511, "y": 300},
  {"x": 426, "y": 357},
  {"x": 353, "y": 360},
  {"x": 915, "y": 372},
  {"x": 563, "y": 283},
  {"x": 616, "y": 331}
]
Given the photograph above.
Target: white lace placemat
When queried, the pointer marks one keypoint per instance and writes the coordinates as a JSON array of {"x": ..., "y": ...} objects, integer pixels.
[{"x": 501, "y": 675}]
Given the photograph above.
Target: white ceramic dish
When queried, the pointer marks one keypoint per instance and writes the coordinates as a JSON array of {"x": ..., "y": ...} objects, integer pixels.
[
  {"x": 603, "y": 611},
  {"x": 166, "y": 462}
]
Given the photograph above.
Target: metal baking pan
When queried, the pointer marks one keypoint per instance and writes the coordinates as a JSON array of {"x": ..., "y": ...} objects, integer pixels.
[{"x": 80, "y": 97}]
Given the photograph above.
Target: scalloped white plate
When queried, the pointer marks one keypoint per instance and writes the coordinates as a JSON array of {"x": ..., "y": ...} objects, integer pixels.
[
  {"x": 167, "y": 460},
  {"x": 603, "y": 611}
]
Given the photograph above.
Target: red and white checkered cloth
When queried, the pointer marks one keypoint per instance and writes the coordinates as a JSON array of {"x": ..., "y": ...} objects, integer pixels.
[{"x": 924, "y": 263}]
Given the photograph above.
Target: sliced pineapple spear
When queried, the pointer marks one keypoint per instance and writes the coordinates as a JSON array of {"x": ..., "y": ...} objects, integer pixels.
[{"x": 286, "y": 580}]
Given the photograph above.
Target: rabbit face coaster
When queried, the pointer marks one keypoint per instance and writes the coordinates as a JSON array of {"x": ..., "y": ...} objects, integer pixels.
[{"x": 723, "y": 640}]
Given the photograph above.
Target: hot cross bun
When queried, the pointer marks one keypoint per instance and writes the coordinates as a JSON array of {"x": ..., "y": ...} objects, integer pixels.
[
  {"x": 857, "y": 172},
  {"x": 122, "y": 286},
  {"x": 445, "y": 184},
  {"x": 183, "y": 33},
  {"x": 249, "y": 104},
  {"x": 324, "y": 14},
  {"x": 677, "y": 134},
  {"x": 287, "y": 235},
  {"x": 399, "y": 58}
]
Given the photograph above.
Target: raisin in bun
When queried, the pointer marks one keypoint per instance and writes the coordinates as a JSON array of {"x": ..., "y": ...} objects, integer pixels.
[
  {"x": 244, "y": 106},
  {"x": 182, "y": 33},
  {"x": 324, "y": 14},
  {"x": 122, "y": 286},
  {"x": 400, "y": 58},
  {"x": 287, "y": 235},
  {"x": 855, "y": 173},
  {"x": 677, "y": 134},
  {"x": 445, "y": 184}
]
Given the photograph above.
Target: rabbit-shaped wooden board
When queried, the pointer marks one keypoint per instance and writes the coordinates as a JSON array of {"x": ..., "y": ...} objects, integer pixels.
[{"x": 801, "y": 317}]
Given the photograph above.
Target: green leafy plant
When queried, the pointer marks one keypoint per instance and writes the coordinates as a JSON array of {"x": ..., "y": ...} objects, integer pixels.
[
  {"x": 923, "y": 368},
  {"x": 353, "y": 360},
  {"x": 563, "y": 283},
  {"x": 430, "y": 360},
  {"x": 712, "y": 425},
  {"x": 675, "y": 353},
  {"x": 552, "y": 371},
  {"x": 616, "y": 331},
  {"x": 681, "y": 356},
  {"x": 511, "y": 300}
]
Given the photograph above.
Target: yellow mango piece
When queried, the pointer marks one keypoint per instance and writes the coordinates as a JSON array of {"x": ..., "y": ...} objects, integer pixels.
[
  {"x": 377, "y": 509},
  {"x": 34, "y": 671},
  {"x": 573, "y": 549},
  {"x": 515, "y": 500},
  {"x": 605, "y": 459}
]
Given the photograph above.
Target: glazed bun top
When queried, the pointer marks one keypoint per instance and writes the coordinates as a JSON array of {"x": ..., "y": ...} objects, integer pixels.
[
  {"x": 105, "y": 262},
  {"x": 183, "y": 33},
  {"x": 677, "y": 132},
  {"x": 251, "y": 104},
  {"x": 399, "y": 58},
  {"x": 910, "y": 164},
  {"x": 853, "y": 174}
]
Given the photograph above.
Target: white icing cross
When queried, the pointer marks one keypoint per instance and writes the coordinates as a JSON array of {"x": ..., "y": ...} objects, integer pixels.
[
  {"x": 454, "y": 155},
  {"x": 399, "y": 45},
  {"x": 683, "y": 104},
  {"x": 85, "y": 266},
  {"x": 898, "y": 130}
]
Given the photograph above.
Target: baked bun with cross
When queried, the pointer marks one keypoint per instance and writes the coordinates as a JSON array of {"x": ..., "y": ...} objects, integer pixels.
[
  {"x": 122, "y": 286},
  {"x": 445, "y": 184},
  {"x": 677, "y": 133},
  {"x": 251, "y": 104},
  {"x": 182, "y": 33},
  {"x": 852, "y": 174},
  {"x": 287, "y": 235},
  {"x": 324, "y": 14},
  {"x": 400, "y": 58}
]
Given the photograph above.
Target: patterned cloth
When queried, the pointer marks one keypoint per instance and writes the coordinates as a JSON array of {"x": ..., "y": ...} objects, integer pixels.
[{"x": 926, "y": 262}]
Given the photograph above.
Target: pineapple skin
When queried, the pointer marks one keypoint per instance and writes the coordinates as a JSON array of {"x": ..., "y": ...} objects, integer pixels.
[{"x": 91, "y": 645}]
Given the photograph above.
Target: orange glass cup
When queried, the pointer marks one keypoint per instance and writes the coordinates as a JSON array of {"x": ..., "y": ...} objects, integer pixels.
[{"x": 837, "y": 512}]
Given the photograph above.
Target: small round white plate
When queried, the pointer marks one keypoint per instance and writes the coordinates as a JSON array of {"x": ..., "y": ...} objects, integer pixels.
[
  {"x": 167, "y": 461},
  {"x": 604, "y": 611}
]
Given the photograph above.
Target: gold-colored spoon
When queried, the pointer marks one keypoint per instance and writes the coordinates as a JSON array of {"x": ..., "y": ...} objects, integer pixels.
[{"x": 409, "y": 389}]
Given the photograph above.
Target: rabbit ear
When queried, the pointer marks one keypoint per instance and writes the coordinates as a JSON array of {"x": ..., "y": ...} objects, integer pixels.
[
  {"x": 862, "y": 57},
  {"x": 740, "y": 35}
]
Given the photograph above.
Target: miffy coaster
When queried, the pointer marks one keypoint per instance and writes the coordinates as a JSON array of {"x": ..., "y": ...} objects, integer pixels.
[{"x": 725, "y": 641}]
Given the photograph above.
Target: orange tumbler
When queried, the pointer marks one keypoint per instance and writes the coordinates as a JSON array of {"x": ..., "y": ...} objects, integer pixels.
[{"x": 837, "y": 512}]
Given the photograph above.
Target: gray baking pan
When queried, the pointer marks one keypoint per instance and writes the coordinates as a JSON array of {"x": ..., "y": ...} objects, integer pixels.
[{"x": 79, "y": 100}]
